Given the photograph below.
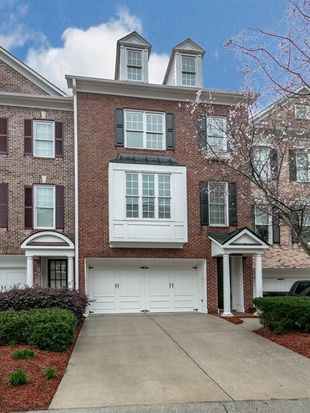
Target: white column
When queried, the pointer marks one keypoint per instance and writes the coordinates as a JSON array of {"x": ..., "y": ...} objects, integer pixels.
[
  {"x": 70, "y": 273},
  {"x": 226, "y": 286},
  {"x": 30, "y": 271},
  {"x": 258, "y": 276}
]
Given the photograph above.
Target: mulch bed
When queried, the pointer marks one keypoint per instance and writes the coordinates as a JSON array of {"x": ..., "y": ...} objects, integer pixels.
[
  {"x": 293, "y": 340},
  {"x": 233, "y": 320},
  {"x": 39, "y": 391}
]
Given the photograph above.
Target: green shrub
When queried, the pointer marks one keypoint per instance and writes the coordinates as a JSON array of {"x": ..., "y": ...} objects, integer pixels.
[
  {"x": 24, "y": 354},
  {"x": 49, "y": 329},
  {"x": 13, "y": 343},
  {"x": 283, "y": 313},
  {"x": 50, "y": 372},
  {"x": 17, "y": 378}
]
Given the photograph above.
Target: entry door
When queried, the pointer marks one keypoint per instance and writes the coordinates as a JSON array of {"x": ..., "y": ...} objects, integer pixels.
[{"x": 57, "y": 273}]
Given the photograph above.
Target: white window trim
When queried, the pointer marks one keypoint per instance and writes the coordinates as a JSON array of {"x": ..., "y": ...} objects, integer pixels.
[
  {"x": 227, "y": 205},
  {"x": 156, "y": 197},
  {"x": 223, "y": 152},
  {"x": 142, "y": 64},
  {"x": 35, "y": 123},
  {"x": 270, "y": 228},
  {"x": 296, "y": 161},
  {"x": 164, "y": 145},
  {"x": 267, "y": 166},
  {"x": 35, "y": 206},
  {"x": 196, "y": 69}
]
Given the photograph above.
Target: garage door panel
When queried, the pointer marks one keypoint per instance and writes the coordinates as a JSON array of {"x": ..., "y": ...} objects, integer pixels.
[
  {"x": 155, "y": 289},
  {"x": 10, "y": 278}
]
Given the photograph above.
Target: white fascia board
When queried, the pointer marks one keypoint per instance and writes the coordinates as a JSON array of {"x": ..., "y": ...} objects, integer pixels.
[
  {"x": 240, "y": 234},
  {"x": 36, "y": 101},
  {"x": 155, "y": 91},
  {"x": 30, "y": 74}
]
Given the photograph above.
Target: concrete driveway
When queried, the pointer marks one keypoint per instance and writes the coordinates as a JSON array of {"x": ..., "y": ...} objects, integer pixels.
[{"x": 153, "y": 359}]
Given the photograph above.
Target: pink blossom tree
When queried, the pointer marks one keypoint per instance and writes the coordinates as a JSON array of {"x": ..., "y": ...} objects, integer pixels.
[{"x": 270, "y": 148}]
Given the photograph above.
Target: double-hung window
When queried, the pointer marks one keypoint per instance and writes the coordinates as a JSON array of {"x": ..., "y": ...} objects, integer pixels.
[
  {"x": 302, "y": 112},
  {"x": 263, "y": 223},
  {"x": 148, "y": 195},
  {"x": 44, "y": 139},
  {"x": 216, "y": 134},
  {"x": 44, "y": 206},
  {"x": 144, "y": 130},
  {"x": 261, "y": 161},
  {"x": 218, "y": 203},
  {"x": 188, "y": 70},
  {"x": 302, "y": 166},
  {"x": 134, "y": 65}
]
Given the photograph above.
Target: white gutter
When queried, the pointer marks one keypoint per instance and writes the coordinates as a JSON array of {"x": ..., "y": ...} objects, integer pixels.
[{"x": 76, "y": 185}]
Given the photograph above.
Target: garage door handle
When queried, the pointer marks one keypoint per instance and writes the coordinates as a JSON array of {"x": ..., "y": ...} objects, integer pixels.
[{"x": 116, "y": 285}]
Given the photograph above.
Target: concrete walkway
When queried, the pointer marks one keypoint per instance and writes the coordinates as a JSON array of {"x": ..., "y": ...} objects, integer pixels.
[{"x": 159, "y": 359}]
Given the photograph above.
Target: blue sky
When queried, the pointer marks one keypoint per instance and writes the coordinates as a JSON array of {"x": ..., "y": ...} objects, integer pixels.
[{"x": 34, "y": 30}]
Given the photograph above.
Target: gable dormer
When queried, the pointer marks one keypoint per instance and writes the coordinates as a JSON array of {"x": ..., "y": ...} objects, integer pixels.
[
  {"x": 132, "y": 57},
  {"x": 185, "y": 65}
]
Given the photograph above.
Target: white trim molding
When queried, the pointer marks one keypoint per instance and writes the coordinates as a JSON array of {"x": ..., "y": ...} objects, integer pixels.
[{"x": 36, "y": 101}]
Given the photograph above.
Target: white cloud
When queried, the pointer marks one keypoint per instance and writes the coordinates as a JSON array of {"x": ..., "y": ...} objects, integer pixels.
[
  {"x": 13, "y": 31},
  {"x": 91, "y": 52}
]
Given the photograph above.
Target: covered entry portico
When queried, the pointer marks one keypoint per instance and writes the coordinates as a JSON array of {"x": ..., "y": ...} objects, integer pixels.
[
  {"x": 56, "y": 249},
  {"x": 233, "y": 247}
]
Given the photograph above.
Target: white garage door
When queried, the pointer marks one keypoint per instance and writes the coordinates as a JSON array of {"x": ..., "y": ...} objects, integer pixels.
[
  {"x": 12, "y": 277},
  {"x": 282, "y": 280},
  {"x": 131, "y": 289}
]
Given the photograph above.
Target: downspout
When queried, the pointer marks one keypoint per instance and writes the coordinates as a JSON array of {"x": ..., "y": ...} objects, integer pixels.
[{"x": 76, "y": 185}]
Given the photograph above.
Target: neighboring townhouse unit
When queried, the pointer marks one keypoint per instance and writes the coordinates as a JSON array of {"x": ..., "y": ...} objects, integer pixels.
[
  {"x": 285, "y": 261},
  {"x": 159, "y": 228},
  {"x": 36, "y": 179}
]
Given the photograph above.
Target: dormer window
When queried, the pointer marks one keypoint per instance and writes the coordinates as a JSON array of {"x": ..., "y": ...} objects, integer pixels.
[
  {"x": 134, "y": 65},
  {"x": 188, "y": 71}
]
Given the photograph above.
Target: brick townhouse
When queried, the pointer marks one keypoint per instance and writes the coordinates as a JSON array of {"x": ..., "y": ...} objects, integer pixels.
[
  {"x": 36, "y": 179},
  {"x": 158, "y": 227},
  {"x": 285, "y": 261}
]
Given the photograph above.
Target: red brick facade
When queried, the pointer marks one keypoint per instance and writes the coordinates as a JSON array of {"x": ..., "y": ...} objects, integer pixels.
[
  {"x": 96, "y": 134},
  {"x": 19, "y": 170}
]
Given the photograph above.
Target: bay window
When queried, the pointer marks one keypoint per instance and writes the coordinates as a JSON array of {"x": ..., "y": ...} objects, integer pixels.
[
  {"x": 44, "y": 139},
  {"x": 44, "y": 206},
  {"x": 148, "y": 196},
  {"x": 144, "y": 130}
]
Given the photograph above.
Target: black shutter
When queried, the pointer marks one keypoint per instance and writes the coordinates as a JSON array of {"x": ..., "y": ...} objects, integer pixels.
[
  {"x": 28, "y": 137},
  {"x": 232, "y": 202},
  {"x": 3, "y": 135},
  {"x": 294, "y": 237},
  {"x": 28, "y": 208},
  {"x": 119, "y": 127},
  {"x": 4, "y": 202},
  {"x": 292, "y": 164},
  {"x": 60, "y": 206},
  {"x": 274, "y": 164},
  {"x": 170, "y": 131},
  {"x": 204, "y": 207},
  {"x": 252, "y": 217},
  {"x": 275, "y": 227},
  {"x": 58, "y": 140},
  {"x": 202, "y": 131}
]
